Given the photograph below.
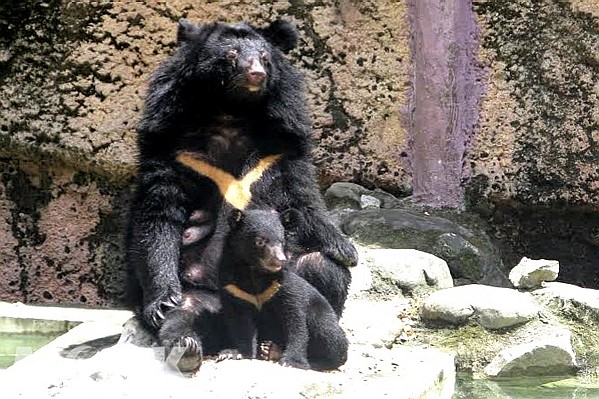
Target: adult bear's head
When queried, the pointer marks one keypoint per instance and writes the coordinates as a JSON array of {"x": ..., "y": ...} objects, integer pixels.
[{"x": 239, "y": 60}]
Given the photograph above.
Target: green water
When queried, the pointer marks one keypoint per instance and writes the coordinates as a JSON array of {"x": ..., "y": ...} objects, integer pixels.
[
  {"x": 9, "y": 342},
  {"x": 524, "y": 388}
]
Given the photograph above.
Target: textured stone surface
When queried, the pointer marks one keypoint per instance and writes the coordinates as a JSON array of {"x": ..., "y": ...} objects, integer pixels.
[
  {"x": 72, "y": 80},
  {"x": 534, "y": 156},
  {"x": 467, "y": 250},
  {"x": 123, "y": 371},
  {"x": 548, "y": 356},
  {"x": 73, "y": 75},
  {"x": 538, "y": 134},
  {"x": 491, "y": 307},
  {"x": 63, "y": 235},
  {"x": 576, "y": 303},
  {"x": 414, "y": 272},
  {"x": 531, "y": 273},
  {"x": 86, "y": 362}
]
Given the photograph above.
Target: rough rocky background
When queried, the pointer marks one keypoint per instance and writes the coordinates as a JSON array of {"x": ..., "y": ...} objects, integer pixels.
[{"x": 72, "y": 80}]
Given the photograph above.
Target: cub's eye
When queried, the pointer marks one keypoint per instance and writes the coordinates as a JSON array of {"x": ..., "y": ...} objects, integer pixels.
[
  {"x": 264, "y": 56},
  {"x": 232, "y": 54},
  {"x": 260, "y": 241}
]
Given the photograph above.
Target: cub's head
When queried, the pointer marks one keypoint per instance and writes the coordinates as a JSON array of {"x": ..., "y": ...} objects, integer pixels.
[
  {"x": 257, "y": 239},
  {"x": 241, "y": 60}
]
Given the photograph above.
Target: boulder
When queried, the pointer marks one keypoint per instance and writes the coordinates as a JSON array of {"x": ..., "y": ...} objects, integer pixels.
[
  {"x": 491, "y": 307},
  {"x": 532, "y": 273},
  {"x": 412, "y": 271},
  {"x": 550, "y": 356},
  {"x": 126, "y": 370},
  {"x": 341, "y": 195},
  {"x": 577, "y": 303},
  {"x": 469, "y": 253},
  {"x": 369, "y": 202}
]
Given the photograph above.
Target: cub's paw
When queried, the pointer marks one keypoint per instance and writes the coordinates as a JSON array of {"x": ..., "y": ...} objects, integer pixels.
[
  {"x": 153, "y": 313},
  {"x": 185, "y": 354},
  {"x": 293, "y": 361},
  {"x": 229, "y": 354},
  {"x": 270, "y": 351}
]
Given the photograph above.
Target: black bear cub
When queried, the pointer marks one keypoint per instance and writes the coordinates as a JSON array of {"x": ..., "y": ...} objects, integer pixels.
[{"x": 264, "y": 302}]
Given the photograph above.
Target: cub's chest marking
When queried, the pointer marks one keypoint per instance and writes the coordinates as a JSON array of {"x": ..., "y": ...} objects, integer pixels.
[
  {"x": 256, "y": 300},
  {"x": 234, "y": 191}
]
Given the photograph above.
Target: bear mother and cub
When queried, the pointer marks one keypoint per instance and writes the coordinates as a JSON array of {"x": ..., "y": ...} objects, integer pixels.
[{"x": 224, "y": 154}]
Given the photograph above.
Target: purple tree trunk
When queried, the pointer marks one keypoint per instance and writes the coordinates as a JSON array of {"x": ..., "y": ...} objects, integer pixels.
[{"x": 443, "y": 103}]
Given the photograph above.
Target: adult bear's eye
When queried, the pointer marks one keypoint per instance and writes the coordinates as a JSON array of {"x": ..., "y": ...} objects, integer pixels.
[
  {"x": 264, "y": 56},
  {"x": 260, "y": 241},
  {"x": 232, "y": 54}
]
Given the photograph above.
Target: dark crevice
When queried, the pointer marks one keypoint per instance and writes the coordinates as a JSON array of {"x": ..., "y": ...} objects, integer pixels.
[{"x": 27, "y": 200}]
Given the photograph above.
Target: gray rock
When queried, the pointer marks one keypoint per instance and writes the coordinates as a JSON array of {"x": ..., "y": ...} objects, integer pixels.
[
  {"x": 577, "y": 303},
  {"x": 531, "y": 273},
  {"x": 348, "y": 196},
  {"x": 401, "y": 372},
  {"x": 549, "y": 356},
  {"x": 491, "y": 307},
  {"x": 344, "y": 195},
  {"x": 373, "y": 323},
  {"x": 412, "y": 271},
  {"x": 369, "y": 202},
  {"x": 469, "y": 254}
]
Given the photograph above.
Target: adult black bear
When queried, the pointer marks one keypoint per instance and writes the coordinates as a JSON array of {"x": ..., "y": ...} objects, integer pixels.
[
  {"x": 230, "y": 98},
  {"x": 264, "y": 301}
]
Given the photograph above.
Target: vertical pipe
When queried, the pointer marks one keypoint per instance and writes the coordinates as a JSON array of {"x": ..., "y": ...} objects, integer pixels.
[{"x": 445, "y": 94}]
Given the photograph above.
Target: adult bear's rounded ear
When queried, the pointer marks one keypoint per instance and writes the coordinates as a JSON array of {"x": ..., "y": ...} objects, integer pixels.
[
  {"x": 188, "y": 31},
  {"x": 281, "y": 34}
]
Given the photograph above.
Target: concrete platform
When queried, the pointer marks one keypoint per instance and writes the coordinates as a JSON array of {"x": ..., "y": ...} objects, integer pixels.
[{"x": 71, "y": 367}]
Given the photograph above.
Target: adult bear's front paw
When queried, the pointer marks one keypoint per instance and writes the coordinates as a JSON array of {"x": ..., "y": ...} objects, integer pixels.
[
  {"x": 343, "y": 251},
  {"x": 153, "y": 313}
]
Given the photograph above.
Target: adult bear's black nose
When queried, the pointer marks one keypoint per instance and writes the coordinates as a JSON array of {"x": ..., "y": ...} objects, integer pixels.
[{"x": 255, "y": 73}]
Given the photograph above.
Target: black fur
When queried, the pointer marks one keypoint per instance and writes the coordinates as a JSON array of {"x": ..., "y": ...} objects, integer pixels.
[
  {"x": 297, "y": 318},
  {"x": 205, "y": 99},
  {"x": 330, "y": 278}
]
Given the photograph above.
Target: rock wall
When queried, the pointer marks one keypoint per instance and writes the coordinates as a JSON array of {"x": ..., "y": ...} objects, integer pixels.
[
  {"x": 445, "y": 91},
  {"x": 533, "y": 160},
  {"x": 537, "y": 142},
  {"x": 516, "y": 115},
  {"x": 72, "y": 79}
]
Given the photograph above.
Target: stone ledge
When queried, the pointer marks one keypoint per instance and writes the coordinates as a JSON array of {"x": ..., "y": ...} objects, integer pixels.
[{"x": 124, "y": 370}]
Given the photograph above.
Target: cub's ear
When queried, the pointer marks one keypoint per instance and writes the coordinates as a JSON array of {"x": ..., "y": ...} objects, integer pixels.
[
  {"x": 281, "y": 34},
  {"x": 291, "y": 218},
  {"x": 236, "y": 218},
  {"x": 188, "y": 31}
]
